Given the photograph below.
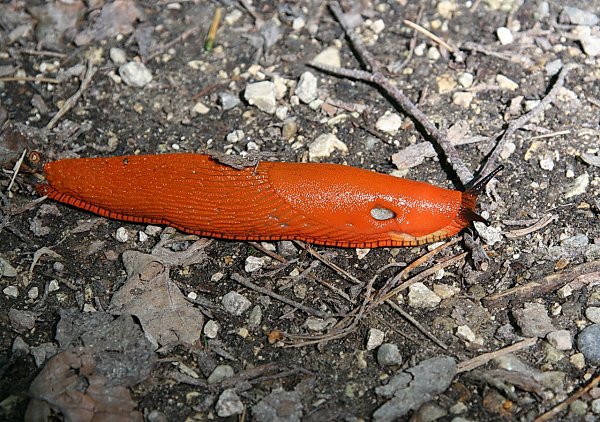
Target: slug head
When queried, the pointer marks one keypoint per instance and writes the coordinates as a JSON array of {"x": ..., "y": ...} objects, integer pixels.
[{"x": 474, "y": 189}]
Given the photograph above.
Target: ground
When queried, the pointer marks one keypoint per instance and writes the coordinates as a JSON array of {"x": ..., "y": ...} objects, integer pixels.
[{"x": 70, "y": 279}]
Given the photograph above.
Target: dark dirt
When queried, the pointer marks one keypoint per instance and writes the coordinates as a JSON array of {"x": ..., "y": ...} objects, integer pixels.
[{"x": 335, "y": 379}]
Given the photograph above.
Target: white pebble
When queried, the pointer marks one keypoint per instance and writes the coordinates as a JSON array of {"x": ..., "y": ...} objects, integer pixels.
[
  {"x": 142, "y": 237},
  {"x": 433, "y": 54},
  {"x": 135, "y": 74},
  {"x": 389, "y": 122},
  {"x": 261, "y": 95},
  {"x": 325, "y": 145},
  {"x": 122, "y": 235},
  {"x": 420, "y": 296},
  {"x": 505, "y": 35},
  {"x": 306, "y": 89},
  {"x": 11, "y": 291},
  {"x": 33, "y": 293},
  {"x": 464, "y": 332},
  {"x": 375, "y": 338},
  {"x": 53, "y": 286},
  {"x": 200, "y": 108},
  {"x": 118, "y": 56},
  {"x": 506, "y": 83},
  {"x": 211, "y": 329},
  {"x": 329, "y": 57},
  {"x": 465, "y": 79},
  {"x": 254, "y": 263},
  {"x": 579, "y": 186},
  {"x": 235, "y": 303},
  {"x": 298, "y": 23},
  {"x": 463, "y": 99}
]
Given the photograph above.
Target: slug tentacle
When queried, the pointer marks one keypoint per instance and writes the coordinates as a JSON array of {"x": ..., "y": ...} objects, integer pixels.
[{"x": 326, "y": 204}]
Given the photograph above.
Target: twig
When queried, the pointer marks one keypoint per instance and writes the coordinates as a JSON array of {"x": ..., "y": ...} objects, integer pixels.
[
  {"x": 330, "y": 264},
  {"x": 477, "y": 361},
  {"x": 264, "y": 250},
  {"x": 416, "y": 323},
  {"x": 16, "y": 169},
  {"x": 549, "y": 415},
  {"x": 71, "y": 101},
  {"x": 429, "y": 35},
  {"x": 247, "y": 283},
  {"x": 521, "y": 121},
  {"x": 178, "y": 39},
  {"x": 29, "y": 79},
  {"x": 398, "y": 66},
  {"x": 212, "y": 31},
  {"x": 540, "y": 224},
  {"x": 588, "y": 273},
  {"x": 43, "y": 53}
]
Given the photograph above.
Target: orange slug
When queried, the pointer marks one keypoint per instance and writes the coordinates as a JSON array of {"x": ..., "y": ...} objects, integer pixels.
[{"x": 326, "y": 204}]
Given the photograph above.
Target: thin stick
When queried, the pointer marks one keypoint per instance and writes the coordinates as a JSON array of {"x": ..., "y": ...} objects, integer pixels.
[
  {"x": 29, "y": 79},
  {"x": 212, "y": 31},
  {"x": 43, "y": 53},
  {"x": 552, "y": 413},
  {"x": 16, "y": 169},
  {"x": 521, "y": 121},
  {"x": 429, "y": 35},
  {"x": 330, "y": 264},
  {"x": 416, "y": 323},
  {"x": 71, "y": 101},
  {"x": 178, "y": 39},
  {"x": 477, "y": 361},
  {"x": 272, "y": 254},
  {"x": 247, "y": 283}
]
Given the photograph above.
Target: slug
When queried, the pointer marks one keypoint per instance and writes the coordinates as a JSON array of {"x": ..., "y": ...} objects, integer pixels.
[{"x": 325, "y": 204}]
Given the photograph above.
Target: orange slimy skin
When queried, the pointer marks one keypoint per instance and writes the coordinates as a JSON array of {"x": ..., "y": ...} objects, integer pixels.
[{"x": 326, "y": 204}]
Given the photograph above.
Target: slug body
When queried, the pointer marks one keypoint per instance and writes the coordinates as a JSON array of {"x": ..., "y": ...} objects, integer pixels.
[{"x": 325, "y": 204}]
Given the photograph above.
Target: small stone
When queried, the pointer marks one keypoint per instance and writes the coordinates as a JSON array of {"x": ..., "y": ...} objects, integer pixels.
[
  {"x": 464, "y": 332},
  {"x": 578, "y": 187},
  {"x": 377, "y": 26},
  {"x": 122, "y": 235},
  {"x": 282, "y": 113},
  {"x": 553, "y": 67},
  {"x": 578, "y": 360},
  {"x": 590, "y": 45},
  {"x": 505, "y": 83},
  {"x": 388, "y": 355},
  {"x": 220, "y": 373},
  {"x": 547, "y": 162},
  {"x": 578, "y": 16},
  {"x": 429, "y": 412},
  {"x": 463, "y": 99},
  {"x": 533, "y": 320},
  {"x": 306, "y": 89},
  {"x": 361, "y": 253},
  {"x": 118, "y": 56},
  {"x": 255, "y": 317},
  {"x": 578, "y": 241},
  {"x": 588, "y": 343},
  {"x": 578, "y": 408},
  {"x": 445, "y": 83},
  {"x": 325, "y": 145},
  {"x": 374, "y": 338},
  {"x": 504, "y": 35},
  {"x": 229, "y": 404},
  {"x": 465, "y": 79},
  {"x": 593, "y": 314},
  {"x": 329, "y": 57},
  {"x": 142, "y": 237},
  {"x": 33, "y": 293},
  {"x": 135, "y": 74},
  {"x": 433, "y": 54},
  {"x": 508, "y": 150},
  {"x": 200, "y": 108},
  {"x": 211, "y": 329},
  {"x": 232, "y": 17},
  {"x": 228, "y": 101},
  {"x": 445, "y": 291},
  {"x": 254, "y": 263},
  {"x": 21, "y": 321},
  {"x": 458, "y": 408},
  {"x": 490, "y": 235},
  {"x": 53, "y": 286},
  {"x": 279, "y": 406},
  {"x": 560, "y": 339},
  {"x": 446, "y": 8},
  {"x": 420, "y": 296},
  {"x": 261, "y": 95},
  {"x": 300, "y": 290},
  {"x": 7, "y": 270},
  {"x": 389, "y": 122},
  {"x": 298, "y": 23},
  {"x": 286, "y": 248},
  {"x": 235, "y": 303},
  {"x": 318, "y": 324},
  {"x": 595, "y": 405}
]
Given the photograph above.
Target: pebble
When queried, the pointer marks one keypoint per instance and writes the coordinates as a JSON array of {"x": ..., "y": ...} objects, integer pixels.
[
  {"x": 122, "y": 235},
  {"x": 53, "y": 286},
  {"x": 375, "y": 338},
  {"x": 553, "y": 67},
  {"x": 286, "y": 248},
  {"x": 261, "y": 95},
  {"x": 318, "y": 324},
  {"x": 593, "y": 314},
  {"x": 21, "y": 321},
  {"x": 211, "y": 329},
  {"x": 229, "y": 404},
  {"x": 580, "y": 240},
  {"x": 135, "y": 74},
  {"x": 420, "y": 296},
  {"x": 11, "y": 291},
  {"x": 590, "y": 45},
  {"x": 361, "y": 253},
  {"x": 300, "y": 290},
  {"x": 578, "y": 360},
  {"x": 578, "y": 16},
  {"x": 578, "y": 187},
  {"x": 504, "y": 35},
  {"x": 588, "y": 343},
  {"x": 596, "y": 406},
  {"x": 254, "y": 263},
  {"x": 429, "y": 412},
  {"x": 388, "y": 355},
  {"x": 255, "y": 317},
  {"x": 533, "y": 320},
  {"x": 489, "y": 234},
  {"x": 33, "y": 293},
  {"x": 445, "y": 83},
  {"x": 329, "y": 57},
  {"x": 142, "y": 237},
  {"x": 463, "y": 99},
  {"x": 560, "y": 339},
  {"x": 325, "y": 145},
  {"x": 377, "y": 26},
  {"x": 281, "y": 113},
  {"x": 279, "y": 406},
  {"x": 306, "y": 89},
  {"x": 465, "y": 79},
  {"x": 200, "y": 108},
  {"x": 298, "y": 23},
  {"x": 118, "y": 56},
  {"x": 464, "y": 332},
  {"x": 228, "y": 100},
  {"x": 220, "y": 373},
  {"x": 232, "y": 17},
  {"x": 445, "y": 291},
  {"x": 389, "y": 122},
  {"x": 7, "y": 270},
  {"x": 235, "y": 303},
  {"x": 433, "y": 54},
  {"x": 547, "y": 162},
  {"x": 578, "y": 408},
  {"x": 506, "y": 83}
]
